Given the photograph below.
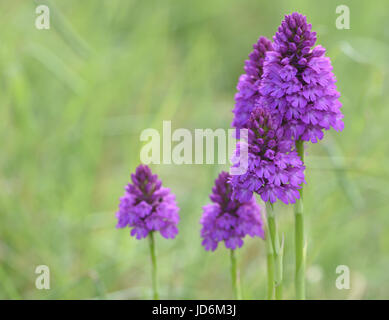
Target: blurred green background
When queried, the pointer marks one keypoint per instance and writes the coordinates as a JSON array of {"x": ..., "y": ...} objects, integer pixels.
[{"x": 74, "y": 99}]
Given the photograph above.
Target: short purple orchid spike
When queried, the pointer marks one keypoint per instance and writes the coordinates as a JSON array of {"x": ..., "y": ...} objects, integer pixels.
[
  {"x": 147, "y": 206},
  {"x": 248, "y": 85},
  {"x": 298, "y": 85},
  {"x": 274, "y": 171},
  {"x": 229, "y": 220}
]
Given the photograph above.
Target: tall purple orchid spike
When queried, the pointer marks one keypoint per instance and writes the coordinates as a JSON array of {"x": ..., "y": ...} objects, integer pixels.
[
  {"x": 248, "y": 85},
  {"x": 147, "y": 206},
  {"x": 274, "y": 170},
  {"x": 298, "y": 88},
  {"x": 229, "y": 220},
  {"x": 298, "y": 85}
]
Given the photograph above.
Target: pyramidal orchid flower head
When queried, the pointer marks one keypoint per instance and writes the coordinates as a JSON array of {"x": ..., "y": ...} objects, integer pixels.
[
  {"x": 147, "y": 206},
  {"x": 298, "y": 85},
  {"x": 274, "y": 170},
  {"x": 229, "y": 220},
  {"x": 248, "y": 84}
]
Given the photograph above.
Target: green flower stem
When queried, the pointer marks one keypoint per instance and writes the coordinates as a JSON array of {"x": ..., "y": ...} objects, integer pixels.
[
  {"x": 277, "y": 250},
  {"x": 153, "y": 266},
  {"x": 270, "y": 264},
  {"x": 235, "y": 277},
  {"x": 299, "y": 236}
]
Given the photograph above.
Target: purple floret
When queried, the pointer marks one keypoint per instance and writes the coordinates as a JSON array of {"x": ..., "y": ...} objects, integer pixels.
[
  {"x": 248, "y": 85},
  {"x": 147, "y": 206},
  {"x": 274, "y": 170},
  {"x": 229, "y": 220},
  {"x": 298, "y": 85}
]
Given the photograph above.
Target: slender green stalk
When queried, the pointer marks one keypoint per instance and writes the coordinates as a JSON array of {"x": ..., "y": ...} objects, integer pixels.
[
  {"x": 299, "y": 236},
  {"x": 270, "y": 264},
  {"x": 235, "y": 277},
  {"x": 153, "y": 266},
  {"x": 277, "y": 250}
]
